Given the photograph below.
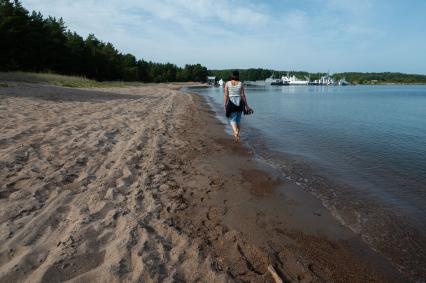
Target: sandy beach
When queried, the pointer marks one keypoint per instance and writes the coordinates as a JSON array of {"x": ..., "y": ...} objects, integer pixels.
[{"x": 142, "y": 184}]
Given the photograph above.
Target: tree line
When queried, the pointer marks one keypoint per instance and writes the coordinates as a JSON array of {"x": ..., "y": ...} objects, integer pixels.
[
  {"x": 31, "y": 42},
  {"x": 256, "y": 74},
  {"x": 353, "y": 77},
  {"x": 380, "y": 78}
]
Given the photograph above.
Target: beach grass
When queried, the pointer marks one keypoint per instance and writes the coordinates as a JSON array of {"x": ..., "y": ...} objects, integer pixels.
[{"x": 59, "y": 80}]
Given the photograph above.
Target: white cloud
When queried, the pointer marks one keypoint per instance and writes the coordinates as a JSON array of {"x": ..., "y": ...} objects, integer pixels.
[{"x": 231, "y": 33}]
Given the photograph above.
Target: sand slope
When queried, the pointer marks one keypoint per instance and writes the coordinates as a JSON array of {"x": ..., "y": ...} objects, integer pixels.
[
  {"x": 80, "y": 180},
  {"x": 141, "y": 184}
]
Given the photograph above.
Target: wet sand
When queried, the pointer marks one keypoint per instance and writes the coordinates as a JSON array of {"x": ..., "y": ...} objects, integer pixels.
[{"x": 143, "y": 184}]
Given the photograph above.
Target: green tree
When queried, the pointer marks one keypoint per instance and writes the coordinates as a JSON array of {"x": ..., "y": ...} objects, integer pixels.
[{"x": 14, "y": 26}]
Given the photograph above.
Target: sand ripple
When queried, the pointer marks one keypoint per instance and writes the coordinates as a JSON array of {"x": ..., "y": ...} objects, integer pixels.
[{"x": 80, "y": 177}]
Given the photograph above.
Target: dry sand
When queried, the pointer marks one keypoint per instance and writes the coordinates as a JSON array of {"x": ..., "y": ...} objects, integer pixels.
[{"x": 142, "y": 184}]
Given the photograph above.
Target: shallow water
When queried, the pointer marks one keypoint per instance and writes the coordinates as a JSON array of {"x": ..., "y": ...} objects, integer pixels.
[{"x": 370, "y": 139}]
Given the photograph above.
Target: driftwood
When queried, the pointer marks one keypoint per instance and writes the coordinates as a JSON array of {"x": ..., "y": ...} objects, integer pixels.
[{"x": 274, "y": 274}]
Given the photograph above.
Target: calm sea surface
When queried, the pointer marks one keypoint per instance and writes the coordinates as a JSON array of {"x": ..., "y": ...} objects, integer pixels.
[{"x": 369, "y": 138}]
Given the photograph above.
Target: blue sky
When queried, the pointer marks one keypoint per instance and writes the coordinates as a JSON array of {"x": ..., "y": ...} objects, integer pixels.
[{"x": 311, "y": 35}]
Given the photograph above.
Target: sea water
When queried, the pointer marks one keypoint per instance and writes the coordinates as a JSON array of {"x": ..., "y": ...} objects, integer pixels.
[{"x": 369, "y": 142}]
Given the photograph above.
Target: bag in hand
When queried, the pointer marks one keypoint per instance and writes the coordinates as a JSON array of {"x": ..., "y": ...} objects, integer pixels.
[
  {"x": 231, "y": 107},
  {"x": 247, "y": 110}
]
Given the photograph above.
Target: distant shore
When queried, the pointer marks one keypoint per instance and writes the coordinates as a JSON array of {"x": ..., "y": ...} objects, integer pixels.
[{"x": 142, "y": 183}]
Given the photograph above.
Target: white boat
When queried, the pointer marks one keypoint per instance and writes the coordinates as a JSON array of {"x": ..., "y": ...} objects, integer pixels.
[
  {"x": 220, "y": 82},
  {"x": 325, "y": 80},
  {"x": 343, "y": 81},
  {"x": 293, "y": 80},
  {"x": 255, "y": 83},
  {"x": 272, "y": 81}
]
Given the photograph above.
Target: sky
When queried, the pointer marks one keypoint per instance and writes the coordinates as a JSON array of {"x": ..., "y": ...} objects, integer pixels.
[{"x": 309, "y": 35}]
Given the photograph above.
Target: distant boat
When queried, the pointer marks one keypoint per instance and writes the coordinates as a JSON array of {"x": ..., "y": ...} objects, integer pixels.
[
  {"x": 272, "y": 81},
  {"x": 293, "y": 80},
  {"x": 324, "y": 80},
  {"x": 220, "y": 82},
  {"x": 277, "y": 82},
  {"x": 343, "y": 82},
  {"x": 255, "y": 83}
]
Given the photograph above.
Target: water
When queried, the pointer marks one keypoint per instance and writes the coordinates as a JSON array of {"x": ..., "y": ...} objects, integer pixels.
[{"x": 368, "y": 141}]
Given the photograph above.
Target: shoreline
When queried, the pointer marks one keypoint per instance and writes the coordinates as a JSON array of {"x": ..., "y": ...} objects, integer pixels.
[
  {"x": 143, "y": 183},
  {"x": 304, "y": 216},
  {"x": 386, "y": 230}
]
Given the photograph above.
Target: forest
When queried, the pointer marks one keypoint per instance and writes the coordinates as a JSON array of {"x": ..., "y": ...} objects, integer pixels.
[
  {"x": 33, "y": 43},
  {"x": 381, "y": 78}
]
